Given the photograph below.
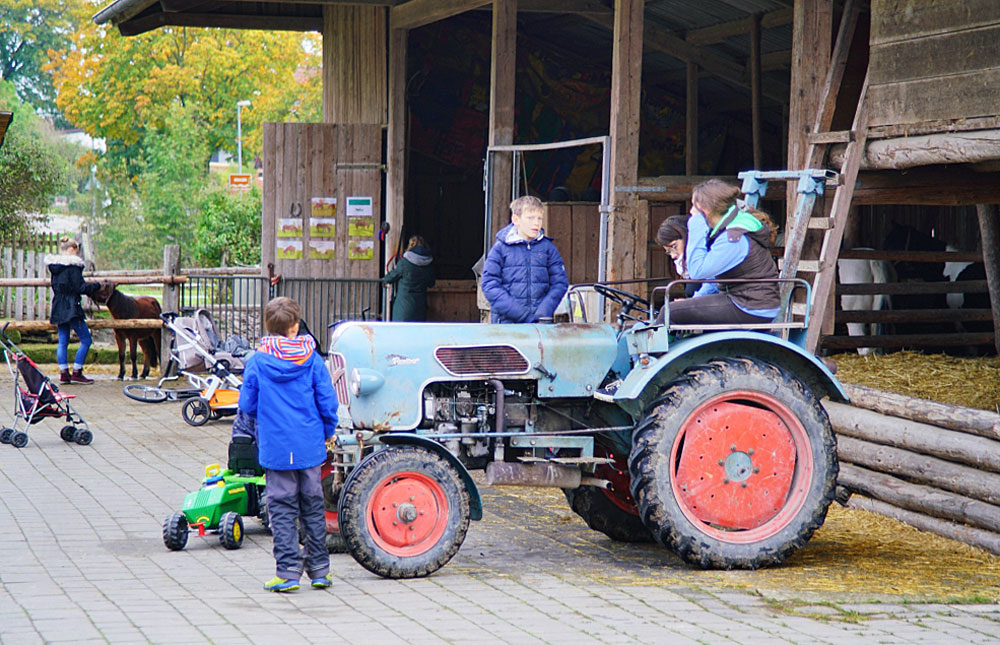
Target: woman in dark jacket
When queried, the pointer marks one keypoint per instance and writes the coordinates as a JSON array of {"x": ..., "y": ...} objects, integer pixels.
[
  {"x": 67, "y": 314},
  {"x": 412, "y": 275}
]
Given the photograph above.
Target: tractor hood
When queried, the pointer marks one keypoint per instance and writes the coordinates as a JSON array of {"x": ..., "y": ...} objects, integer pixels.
[{"x": 386, "y": 366}]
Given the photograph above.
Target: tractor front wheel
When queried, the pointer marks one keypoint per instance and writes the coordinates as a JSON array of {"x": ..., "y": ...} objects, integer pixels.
[
  {"x": 404, "y": 512},
  {"x": 734, "y": 464},
  {"x": 231, "y": 530},
  {"x": 175, "y": 531}
]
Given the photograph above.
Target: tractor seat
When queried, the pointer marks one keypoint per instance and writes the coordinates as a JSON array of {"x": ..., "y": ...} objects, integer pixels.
[{"x": 243, "y": 456}]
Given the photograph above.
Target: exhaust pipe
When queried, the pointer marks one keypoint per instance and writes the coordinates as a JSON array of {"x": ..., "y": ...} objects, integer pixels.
[{"x": 539, "y": 474}]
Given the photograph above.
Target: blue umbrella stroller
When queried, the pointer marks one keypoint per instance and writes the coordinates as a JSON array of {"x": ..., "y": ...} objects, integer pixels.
[{"x": 36, "y": 397}]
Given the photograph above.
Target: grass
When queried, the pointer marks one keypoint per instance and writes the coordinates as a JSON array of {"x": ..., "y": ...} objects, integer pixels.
[{"x": 43, "y": 353}]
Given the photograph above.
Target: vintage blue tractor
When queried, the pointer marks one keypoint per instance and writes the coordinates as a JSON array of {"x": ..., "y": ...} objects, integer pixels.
[{"x": 711, "y": 442}]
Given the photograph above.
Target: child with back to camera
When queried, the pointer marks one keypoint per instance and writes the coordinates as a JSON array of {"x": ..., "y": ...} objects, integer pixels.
[
  {"x": 287, "y": 387},
  {"x": 523, "y": 277}
]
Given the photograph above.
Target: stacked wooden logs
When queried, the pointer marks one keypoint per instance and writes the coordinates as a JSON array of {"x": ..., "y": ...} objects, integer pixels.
[{"x": 933, "y": 466}]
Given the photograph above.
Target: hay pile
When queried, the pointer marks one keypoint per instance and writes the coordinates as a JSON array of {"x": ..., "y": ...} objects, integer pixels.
[{"x": 969, "y": 382}]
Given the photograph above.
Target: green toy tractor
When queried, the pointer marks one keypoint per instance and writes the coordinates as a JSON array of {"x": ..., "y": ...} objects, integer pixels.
[{"x": 225, "y": 497}]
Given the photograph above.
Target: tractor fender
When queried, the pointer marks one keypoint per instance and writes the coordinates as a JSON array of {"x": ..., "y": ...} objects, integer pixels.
[
  {"x": 406, "y": 438},
  {"x": 643, "y": 383}
]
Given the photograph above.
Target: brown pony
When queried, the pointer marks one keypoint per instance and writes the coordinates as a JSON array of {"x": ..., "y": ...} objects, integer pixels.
[{"x": 123, "y": 306}]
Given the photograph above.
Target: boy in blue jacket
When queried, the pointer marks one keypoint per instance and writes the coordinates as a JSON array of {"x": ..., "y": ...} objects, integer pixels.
[
  {"x": 287, "y": 387},
  {"x": 523, "y": 277}
]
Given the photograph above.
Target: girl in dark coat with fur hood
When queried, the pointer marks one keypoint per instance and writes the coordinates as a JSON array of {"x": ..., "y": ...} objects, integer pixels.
[
  {"x": 413, "y": 276},
  {"x": 67, "y": 314}
]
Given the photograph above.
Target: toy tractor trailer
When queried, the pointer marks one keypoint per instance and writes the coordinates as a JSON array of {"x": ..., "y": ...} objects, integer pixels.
[{"x": 713, "y": 444}]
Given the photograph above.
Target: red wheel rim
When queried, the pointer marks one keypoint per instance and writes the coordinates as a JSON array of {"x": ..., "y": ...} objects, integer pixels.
[
  {"x": 407, "y": 514},
  {"x": 741, "y": 466},
  {"x": 620, "y": 492}
]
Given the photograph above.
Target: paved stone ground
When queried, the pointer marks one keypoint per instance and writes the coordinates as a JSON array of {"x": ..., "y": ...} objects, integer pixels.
[{"x": 82, "y": 560}]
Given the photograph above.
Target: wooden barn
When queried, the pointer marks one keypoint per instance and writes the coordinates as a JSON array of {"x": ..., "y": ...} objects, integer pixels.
[{"x": 898, "y": 95}]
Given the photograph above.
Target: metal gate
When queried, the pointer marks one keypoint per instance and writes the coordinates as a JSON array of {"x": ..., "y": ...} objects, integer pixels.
[{"x": 236, "y": 303}]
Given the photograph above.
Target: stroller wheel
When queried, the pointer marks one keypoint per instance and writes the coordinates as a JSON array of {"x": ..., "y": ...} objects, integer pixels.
[
  {"x": 175, "y": 531},
  {"x": 83, "y": 437},
  {"x": 5, "y": 435},
  {"x": 144, "y": 393},
  {"x": 196, "y": 411},
  {"x": 231, "y": 530},
  {"x": 19, "y": 439},
  {"x": 67, "y": 432}
]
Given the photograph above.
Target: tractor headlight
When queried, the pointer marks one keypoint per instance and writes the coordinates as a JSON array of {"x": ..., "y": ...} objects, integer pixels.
[{"x": 364, "y": 381}]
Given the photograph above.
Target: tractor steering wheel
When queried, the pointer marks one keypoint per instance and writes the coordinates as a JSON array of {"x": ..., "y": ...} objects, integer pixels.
[{"x": 628, "y": 301}]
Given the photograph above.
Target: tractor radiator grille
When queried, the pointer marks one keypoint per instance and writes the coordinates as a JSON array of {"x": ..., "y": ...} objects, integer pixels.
[
  {"x": 481, "y": 359},
  {"x": 339, "y": 377}
]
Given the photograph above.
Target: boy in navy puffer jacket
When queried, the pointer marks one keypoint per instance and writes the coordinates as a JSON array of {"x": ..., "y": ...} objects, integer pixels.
[
  {"x": 287, "y": 387},
  {"x": 523, "y": 277}
]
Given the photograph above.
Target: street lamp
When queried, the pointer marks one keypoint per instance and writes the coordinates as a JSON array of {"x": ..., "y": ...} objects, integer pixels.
[{"x": 239, "y": 131}]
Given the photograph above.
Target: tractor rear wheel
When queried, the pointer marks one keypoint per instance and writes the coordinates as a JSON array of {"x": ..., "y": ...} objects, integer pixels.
[
  {"x": 231, "y": 530},
  {"x": 404, "y": 512},
  {"x": 734, "y": 464},
  {"x": 612, "y": 511},
  {"x": 175, "y": 531}
]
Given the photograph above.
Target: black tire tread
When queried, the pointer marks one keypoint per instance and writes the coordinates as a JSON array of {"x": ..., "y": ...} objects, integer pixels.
[
  {"x": 644, "y": 458},
  {"x": 353, "y": 498},
  {"x": 601, "y": 514}
]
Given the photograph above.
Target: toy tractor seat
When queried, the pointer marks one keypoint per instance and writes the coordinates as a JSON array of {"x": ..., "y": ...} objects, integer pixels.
[{"x": 243, "y": 458}]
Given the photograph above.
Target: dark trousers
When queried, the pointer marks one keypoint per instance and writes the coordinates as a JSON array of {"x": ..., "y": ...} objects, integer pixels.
[
  {"x": 297, "y": 495},
  {"x": 716, "y": 309}
]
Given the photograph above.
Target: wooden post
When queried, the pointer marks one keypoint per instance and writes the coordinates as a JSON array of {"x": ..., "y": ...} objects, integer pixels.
[
  {"x": 354, "y": 64},
  {"x": 755, "y": 72},
  {"x": 396, "y": 149},
  {"x": 503, "y": 61},
  {"x": 989, "y": 230},
  {"x": 626, "y": 79},
  {"x": 812, "y": 29},
  {"x": 171, "y": 300},
  {"x": 691, "y": 125}
]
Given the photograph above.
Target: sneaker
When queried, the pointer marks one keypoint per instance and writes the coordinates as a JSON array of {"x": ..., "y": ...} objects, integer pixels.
[
  {"x": 65, "y": 378},
  {"x": 607, "y": 393},
  {"x": 78, "y": 377},
  {"x": 281, "y": 584},
  {"x": 322, "y": 582}
]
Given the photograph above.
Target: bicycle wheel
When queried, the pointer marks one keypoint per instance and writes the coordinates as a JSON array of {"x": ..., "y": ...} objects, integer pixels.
[{"x": 144, "y": 393}]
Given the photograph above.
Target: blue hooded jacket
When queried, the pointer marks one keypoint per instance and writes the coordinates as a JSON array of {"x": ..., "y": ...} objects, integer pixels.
[
  {"x": 524, "y": 280},
  {"x": 287, "y": 387}
]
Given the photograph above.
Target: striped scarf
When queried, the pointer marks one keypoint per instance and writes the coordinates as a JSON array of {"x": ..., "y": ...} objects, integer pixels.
[{"x": 297, "y": 350}]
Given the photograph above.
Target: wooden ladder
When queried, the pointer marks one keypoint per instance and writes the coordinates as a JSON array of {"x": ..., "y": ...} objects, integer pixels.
[{"x": 817, "y": 263}]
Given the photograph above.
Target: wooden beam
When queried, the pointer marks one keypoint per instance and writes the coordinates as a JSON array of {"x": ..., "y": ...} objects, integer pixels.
[
  {"x": 926, "y": 150},
  {"x": 717, "y": 33},
  {"x": 930, "y": 185},
  {"x": 721, "y": 66},
  {"x": 755, "y": 79},
  {"x": 691, "y": 124},
  {"x": 141, "y": 25},
  {"x": 503, "y": 59},
  {"x": 354, "y": 68},
  {"x": 811, "y": 35},
  {"x": 417, "y": 13},
  {"x": 989, "y": 230},
  {"x": 626, "y": 87},
  {"x": 395, "y": 190}
]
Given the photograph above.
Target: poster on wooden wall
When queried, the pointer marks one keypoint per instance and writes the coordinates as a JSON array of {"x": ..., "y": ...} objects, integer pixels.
[
  {"x": 289, "y": 227},
  {"x": 320, "y": 249},
  {"x": 323, "y": 207},
  {"x": 361, "y": 249},
  {"x": 360, "y": 218},
  {"x": 289, "y": 249}
]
